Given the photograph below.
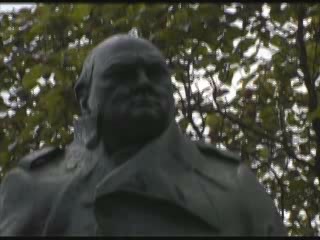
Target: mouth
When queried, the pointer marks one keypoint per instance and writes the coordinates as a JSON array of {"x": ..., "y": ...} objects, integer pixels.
[{"x": 143, "y": 100}]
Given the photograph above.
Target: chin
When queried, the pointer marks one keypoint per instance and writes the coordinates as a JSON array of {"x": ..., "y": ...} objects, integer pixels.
[{"x": 148, "y": 123}]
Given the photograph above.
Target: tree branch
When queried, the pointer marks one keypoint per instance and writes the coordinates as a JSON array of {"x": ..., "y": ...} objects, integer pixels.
[
  {"x": 310, "y": 85},
  {"x": 203, "y": 123},
  {"x": 187, "y": 89},
  {"x": 256, "y": 130}
]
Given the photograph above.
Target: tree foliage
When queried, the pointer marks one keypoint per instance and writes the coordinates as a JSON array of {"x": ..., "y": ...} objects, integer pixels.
[{"x": 246, "y": 78}]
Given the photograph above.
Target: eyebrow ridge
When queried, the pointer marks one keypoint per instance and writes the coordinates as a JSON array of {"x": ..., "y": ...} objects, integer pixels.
[{"x": 128, "y": 60}]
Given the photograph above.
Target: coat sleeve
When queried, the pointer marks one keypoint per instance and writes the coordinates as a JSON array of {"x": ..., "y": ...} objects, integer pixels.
[
  {"x": 262, "y": 215},
  {"x": 21, "y": 212}
]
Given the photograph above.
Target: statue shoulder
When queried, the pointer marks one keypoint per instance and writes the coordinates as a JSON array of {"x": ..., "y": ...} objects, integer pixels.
[
  {"x": 41, "y": 157},
  {"x": 210, "y": 150}
]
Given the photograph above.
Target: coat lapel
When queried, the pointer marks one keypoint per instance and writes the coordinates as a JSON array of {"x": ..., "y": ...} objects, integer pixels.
[
  {"x": 125, "y": 173},
  {"x": 178, "y": 168}
]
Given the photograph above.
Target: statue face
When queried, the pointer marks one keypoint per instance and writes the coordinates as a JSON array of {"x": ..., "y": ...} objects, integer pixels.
[{"x": 131, "y": 87}]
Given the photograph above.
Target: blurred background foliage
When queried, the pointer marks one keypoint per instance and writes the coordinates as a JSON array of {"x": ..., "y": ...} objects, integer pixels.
[{"x": 246, "y": 78}]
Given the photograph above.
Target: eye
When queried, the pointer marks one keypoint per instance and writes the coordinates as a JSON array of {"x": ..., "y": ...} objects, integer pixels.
[
  {"x": 121, "y": 72},
  {"x": 155, "y": 71}
]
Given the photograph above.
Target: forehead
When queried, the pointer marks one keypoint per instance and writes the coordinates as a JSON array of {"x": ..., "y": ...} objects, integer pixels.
[{"x": 126, "y": 51}]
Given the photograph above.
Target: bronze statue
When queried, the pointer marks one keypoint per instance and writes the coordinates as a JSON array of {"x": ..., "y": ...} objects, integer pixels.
[{"x": 130, "y": 171}]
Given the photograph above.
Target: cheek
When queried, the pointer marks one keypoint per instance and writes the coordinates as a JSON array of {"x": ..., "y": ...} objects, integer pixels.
[
  {"x": 93, "y": 101},
  {"x": 166, "y": 96},
  {"x": 112, "y": 106},
  {"x": 105, "y": 97}
]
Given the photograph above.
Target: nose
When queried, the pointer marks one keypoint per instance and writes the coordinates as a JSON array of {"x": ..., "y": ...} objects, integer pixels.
[{"x": 142, "y": 77}]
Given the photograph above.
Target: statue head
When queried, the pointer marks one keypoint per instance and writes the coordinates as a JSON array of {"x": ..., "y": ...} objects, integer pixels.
[{"x": 125, "y": 81}]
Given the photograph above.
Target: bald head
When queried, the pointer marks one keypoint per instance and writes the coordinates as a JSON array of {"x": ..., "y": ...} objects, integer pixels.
[{"x": 122, "y": 43}]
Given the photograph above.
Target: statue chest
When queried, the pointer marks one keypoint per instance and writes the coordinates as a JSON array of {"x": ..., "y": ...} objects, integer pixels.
[
  {"x": 136, "y": 201},
  {"x": 131, "y": 214}
]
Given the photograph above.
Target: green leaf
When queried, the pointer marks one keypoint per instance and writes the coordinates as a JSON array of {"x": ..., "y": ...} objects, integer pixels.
[
  {"x": 268, "y": 117},
  {"x": 183, "y": 123},
  {"x": 264, "y": 153},
  {"x": 4, "y": 158},
  {"x": 80, "y": 11},
  {"x": 314, "y": 114},
  {"x": 213, "y": 120},
  {"x": 30, "y": 79}
]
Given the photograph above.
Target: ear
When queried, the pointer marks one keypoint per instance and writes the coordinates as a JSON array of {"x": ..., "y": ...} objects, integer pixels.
[
  {"x": 83, "y": 101},
  {"x": 81, "y": 92},
  {"x": 82, "y": 86}
]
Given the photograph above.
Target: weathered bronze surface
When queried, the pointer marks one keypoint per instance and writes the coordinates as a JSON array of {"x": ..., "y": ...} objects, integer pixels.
[{"x": 130, "y": 171}]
